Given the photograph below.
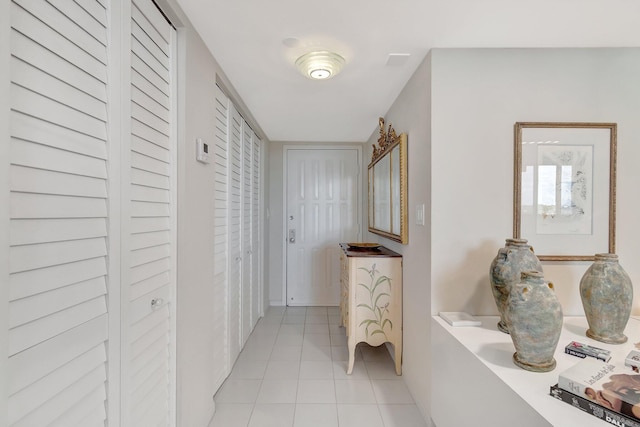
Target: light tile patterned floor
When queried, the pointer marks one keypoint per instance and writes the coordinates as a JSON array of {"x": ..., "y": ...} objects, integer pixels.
[{"x": 292, "y": 373}]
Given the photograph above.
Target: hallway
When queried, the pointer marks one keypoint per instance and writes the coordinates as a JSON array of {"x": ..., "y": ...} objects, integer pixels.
[{"x": 292, "y": 373}]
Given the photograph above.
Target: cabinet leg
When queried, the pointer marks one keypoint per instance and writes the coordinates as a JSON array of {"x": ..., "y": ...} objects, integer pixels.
[
  {"x": 352, "y": 357},
  {"x": 398, "y": 353}
]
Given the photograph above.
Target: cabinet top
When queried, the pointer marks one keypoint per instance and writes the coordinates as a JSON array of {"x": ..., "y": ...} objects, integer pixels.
[{"x": 380, "y": 251}]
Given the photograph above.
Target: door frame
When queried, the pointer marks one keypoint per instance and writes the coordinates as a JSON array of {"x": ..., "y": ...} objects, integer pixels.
[{"x": 285, "y": 152}]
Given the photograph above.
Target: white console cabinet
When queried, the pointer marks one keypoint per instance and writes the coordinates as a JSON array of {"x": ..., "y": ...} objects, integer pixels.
[
  {"x": 475, "y": 383},
  {"x": 371, "y": 299}
]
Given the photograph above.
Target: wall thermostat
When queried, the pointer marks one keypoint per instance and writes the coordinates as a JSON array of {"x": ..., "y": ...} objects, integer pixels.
[{"x": 202, "y": 151}]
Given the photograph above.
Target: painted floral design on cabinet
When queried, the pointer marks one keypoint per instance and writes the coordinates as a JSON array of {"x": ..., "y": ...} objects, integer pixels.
[{"x": 379, "y": 291}]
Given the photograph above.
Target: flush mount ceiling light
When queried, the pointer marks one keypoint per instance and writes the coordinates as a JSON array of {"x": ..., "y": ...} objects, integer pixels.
[{"x": 320, "y": 65}]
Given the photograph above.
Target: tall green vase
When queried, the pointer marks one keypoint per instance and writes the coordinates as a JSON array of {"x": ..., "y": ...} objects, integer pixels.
[
  {"x": 607, "y": 295},
  {"x": 515, "y": 257}
]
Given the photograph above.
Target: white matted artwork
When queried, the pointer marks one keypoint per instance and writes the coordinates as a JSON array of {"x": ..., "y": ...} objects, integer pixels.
[{"x": 564, "y": 188}]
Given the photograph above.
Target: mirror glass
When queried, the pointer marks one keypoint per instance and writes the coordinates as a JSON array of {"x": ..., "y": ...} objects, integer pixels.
[
  {"x": 395, "y": 188},
  {"x": 382, "y": 195},
  {"x": 388, "y": 189}
]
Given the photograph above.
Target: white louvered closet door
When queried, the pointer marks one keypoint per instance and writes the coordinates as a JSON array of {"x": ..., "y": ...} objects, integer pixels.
[
  {"x": 256, "y": 230},
  {"x": 58, "y": 320},
  {"x": 235, "y": 233},
  {"x": 220, "y": 305},
  {"x": 247, "y": 197},
  {"x": 152, "y": 259}
]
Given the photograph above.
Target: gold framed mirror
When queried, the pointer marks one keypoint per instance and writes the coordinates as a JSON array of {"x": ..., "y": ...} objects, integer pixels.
[{"x": 388, "y": 186}]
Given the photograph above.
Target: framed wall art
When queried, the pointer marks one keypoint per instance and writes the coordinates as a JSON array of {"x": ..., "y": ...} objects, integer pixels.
[{"x": 565, "y": 188}]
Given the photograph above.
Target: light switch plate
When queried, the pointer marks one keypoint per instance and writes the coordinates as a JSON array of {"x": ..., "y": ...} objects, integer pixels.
[{"x": 420, "y": 214}]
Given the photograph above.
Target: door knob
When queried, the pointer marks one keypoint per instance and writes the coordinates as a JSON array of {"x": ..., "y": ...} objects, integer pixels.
[
  {"x": 292, "y": 235},
  {"x": 156, "y": 303}
]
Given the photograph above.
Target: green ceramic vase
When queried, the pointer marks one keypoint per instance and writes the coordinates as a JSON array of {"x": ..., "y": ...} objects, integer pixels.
[
  {"x": 515, "y": 257},
  {"x": 607, "y": 295},
  {"x": 534, "y": 318}
]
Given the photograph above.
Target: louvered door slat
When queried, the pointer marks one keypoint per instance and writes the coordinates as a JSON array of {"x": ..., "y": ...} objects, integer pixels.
[
  {"x": 32, "y": 53},
  {"x": 147, "y": 194},
  {"x": 47, "y": 303},
  {"x": 91, "y": 407},
  {"x": 141, "y": 36},
  {"x": 142, "y": 68},
  {"x": 140, "y": 145},
  {"x": 157, "y": 64},
  {"x": 149, "y": 119},
  {"x": 144, "y": 271},
  {"x": 145, "y": 225},
  {"x": 149, "y": 134},
  {"x": 56, "y": 408},
  {"x": 149, "y": 240},
  {"x": 33, "y": 282},
  {"x": 29, "y": 231},
  {"x": 25, "y": 75},
  {"x": 57, "y": 312},
  {"x": 149, "y": 285},
  {"x": 67, "y": 28},
  {"x": 36, "y": 105},
  {"x": 149, "y": 179},
  {"x": 152, "y": 92},
  {"x": 30, "y": 180},
  {"x": 83, "y": 18},
  {"x": 47, "y": 134},
  {"x": 27, "y": 205},
  {"x": 38, "y": 156},
  {"x": 25, "y": 23},
  {"x": 31, "y": 257},
  {"x": 25, "y": 336},
  {"x": 145, "y": 100},
  {"x": 148, "y": 18},
  {"x": 95, "y": 9},
  {"x": 38, "y": 393},
  {"x": 36, "y": 362},
  {"x": 152, "y": 205}
]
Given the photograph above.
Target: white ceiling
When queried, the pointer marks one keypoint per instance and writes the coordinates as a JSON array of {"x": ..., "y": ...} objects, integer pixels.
[{"x": 246, "y": 38}]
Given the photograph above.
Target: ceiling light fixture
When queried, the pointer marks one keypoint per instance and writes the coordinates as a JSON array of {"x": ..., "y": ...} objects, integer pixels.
[{"x": 320, "y": 65}]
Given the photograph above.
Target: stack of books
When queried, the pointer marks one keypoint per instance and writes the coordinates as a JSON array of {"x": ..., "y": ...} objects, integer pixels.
[{"x": 607, "y": 391}]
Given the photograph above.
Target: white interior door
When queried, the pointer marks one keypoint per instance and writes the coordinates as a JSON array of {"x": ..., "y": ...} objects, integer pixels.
[
  {"x": 152, "y": 241},
  {"x": 59, "y": 198},
  {"x": 322, "y": 210}
]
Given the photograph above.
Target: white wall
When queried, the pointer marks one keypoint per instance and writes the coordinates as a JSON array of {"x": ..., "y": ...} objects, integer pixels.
[
  {"x": 411, "y": 113},
  {"x": 195, "y": 343},
  {"x": 198, "y": 72},
  {"x": 477, "y": 96}
]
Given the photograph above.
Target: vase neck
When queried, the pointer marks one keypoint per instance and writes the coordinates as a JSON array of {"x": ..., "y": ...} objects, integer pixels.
[
  {"x": 607, "y": 258},
  {"x": 523, "y": 243}
]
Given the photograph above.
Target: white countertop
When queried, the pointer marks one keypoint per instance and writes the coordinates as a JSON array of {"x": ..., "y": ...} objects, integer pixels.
[{"x": 495, "y": 349}]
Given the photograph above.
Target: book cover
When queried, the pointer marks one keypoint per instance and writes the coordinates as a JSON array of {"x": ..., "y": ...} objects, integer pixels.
[
  {"x": 580, "y": 350},
  {"x": 613, "y": 387},
  {"x": 592, "y": 408},
  {"x": 459, "y": 318}
]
